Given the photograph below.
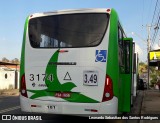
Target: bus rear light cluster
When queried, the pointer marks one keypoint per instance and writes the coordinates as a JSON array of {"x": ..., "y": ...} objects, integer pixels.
[
  {"x": 108, "y": 10},
  {"x": 23, "y": 86},
  {"x": 108, "y": 89}
]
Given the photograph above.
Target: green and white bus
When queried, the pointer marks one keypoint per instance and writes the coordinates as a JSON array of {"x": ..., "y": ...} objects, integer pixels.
[{"x": 76, "y": 62}]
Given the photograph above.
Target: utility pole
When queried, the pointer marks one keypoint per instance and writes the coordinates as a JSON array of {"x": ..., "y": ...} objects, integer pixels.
[
  {"x": 149, "y": 38},
  {"x": 148, "y": 49}
]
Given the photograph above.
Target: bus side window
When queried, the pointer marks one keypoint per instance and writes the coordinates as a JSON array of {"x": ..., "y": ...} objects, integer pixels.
[
  {"x": 121, "y": 50},
  {"x": 35, "y": 41}
]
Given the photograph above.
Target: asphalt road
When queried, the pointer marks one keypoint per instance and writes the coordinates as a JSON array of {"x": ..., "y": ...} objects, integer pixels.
[{"x": 11, "y": 105}]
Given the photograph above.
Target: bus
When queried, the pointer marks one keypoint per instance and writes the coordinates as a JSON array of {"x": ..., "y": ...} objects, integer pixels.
[
  {"x": 76, "y": 62},
  {"x": 135, "y": 76}
]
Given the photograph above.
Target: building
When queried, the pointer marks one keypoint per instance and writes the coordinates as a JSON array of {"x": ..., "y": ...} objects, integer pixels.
[{"x": 9, "y": 76}]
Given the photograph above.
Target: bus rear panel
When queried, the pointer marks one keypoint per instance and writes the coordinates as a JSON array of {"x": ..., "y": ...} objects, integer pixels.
[{"x": 64, "y": 63}]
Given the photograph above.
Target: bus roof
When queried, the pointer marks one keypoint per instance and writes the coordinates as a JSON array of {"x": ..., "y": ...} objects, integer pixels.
[{"x": 70, "y": 11}]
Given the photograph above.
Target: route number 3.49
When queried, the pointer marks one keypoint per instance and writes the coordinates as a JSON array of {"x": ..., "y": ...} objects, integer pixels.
[
  {"x": 90, "y": 78},
  {"x": 41, "y": 77}
]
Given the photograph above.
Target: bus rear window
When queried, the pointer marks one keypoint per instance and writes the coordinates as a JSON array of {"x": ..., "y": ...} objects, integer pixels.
[{"x": 67, "y": 31}]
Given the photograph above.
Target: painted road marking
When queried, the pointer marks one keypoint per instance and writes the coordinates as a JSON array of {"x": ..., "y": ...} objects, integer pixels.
[{"x": 9, "y": 109}]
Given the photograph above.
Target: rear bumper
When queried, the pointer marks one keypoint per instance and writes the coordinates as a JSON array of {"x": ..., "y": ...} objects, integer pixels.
[{"x": 108, "y": 107}]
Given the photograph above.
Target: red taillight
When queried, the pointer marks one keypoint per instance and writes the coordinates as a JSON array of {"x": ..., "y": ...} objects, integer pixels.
[
  {"x": 23, "y": 87},
  {"x": 108, "y": 10},
  {"x": 108, "y": 89}
]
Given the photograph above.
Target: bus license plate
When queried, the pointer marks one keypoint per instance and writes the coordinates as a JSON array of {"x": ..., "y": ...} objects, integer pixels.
[
  {"x": 90, "y": 78},
  {"x": 62, "y": 94}
]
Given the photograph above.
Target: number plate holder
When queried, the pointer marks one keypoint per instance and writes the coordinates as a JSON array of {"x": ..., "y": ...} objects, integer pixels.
[{"x": 90, "y": 78}]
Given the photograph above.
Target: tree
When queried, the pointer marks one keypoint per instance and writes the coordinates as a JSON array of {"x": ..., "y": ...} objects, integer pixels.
[
  {"x": 154, "y": 75},
  {"x": 4, "y": 59},
  {"x": 142, "y": 68},
  {"x": 15, "y": 61},
  {"x": 142, "y": 64}
]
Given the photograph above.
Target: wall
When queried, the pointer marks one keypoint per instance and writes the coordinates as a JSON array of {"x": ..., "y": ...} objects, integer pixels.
[{"x": 7, "y": 79}]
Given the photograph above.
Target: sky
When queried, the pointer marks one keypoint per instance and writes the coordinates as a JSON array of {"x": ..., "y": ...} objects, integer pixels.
[{"x": 132, "y": 13}]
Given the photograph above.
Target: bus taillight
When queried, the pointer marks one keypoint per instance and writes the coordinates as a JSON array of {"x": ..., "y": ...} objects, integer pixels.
[
  {"x": 108, "y": 10},
  {"x": 23, "y": 86},
  {"x": 108, "y": 89}
]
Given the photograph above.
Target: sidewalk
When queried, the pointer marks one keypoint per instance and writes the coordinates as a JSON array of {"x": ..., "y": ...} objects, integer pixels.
[
  {"x": 10, "y": 92},
  {"x": 151, "y": 104}
]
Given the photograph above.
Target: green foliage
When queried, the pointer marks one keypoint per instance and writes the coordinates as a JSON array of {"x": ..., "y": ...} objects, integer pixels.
[
  {"x": 142, "y": 64},
  {"x": 154, "y": 72},
  {"x": 142, "y": 68},
  {"x": 154, "y": 75},
  {"x": 153, "y": 79}
]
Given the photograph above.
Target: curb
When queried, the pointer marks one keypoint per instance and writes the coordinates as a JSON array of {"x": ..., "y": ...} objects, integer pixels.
[
  {"x": 142, "y": 103},
  {"x": 142, "y": 106},
  {"x": 9, "y": 92}
]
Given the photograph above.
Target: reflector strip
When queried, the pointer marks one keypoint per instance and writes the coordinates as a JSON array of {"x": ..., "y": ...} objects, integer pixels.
[
  {"x": 33, "y": 106},
  {"x": 91, "y": 110},
  {"x": 63, "y": 51},
  {"x": 94, "y": 110}
]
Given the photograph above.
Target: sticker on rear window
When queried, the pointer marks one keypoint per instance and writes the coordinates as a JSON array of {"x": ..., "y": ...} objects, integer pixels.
[{"x": 101, "y": 55}]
